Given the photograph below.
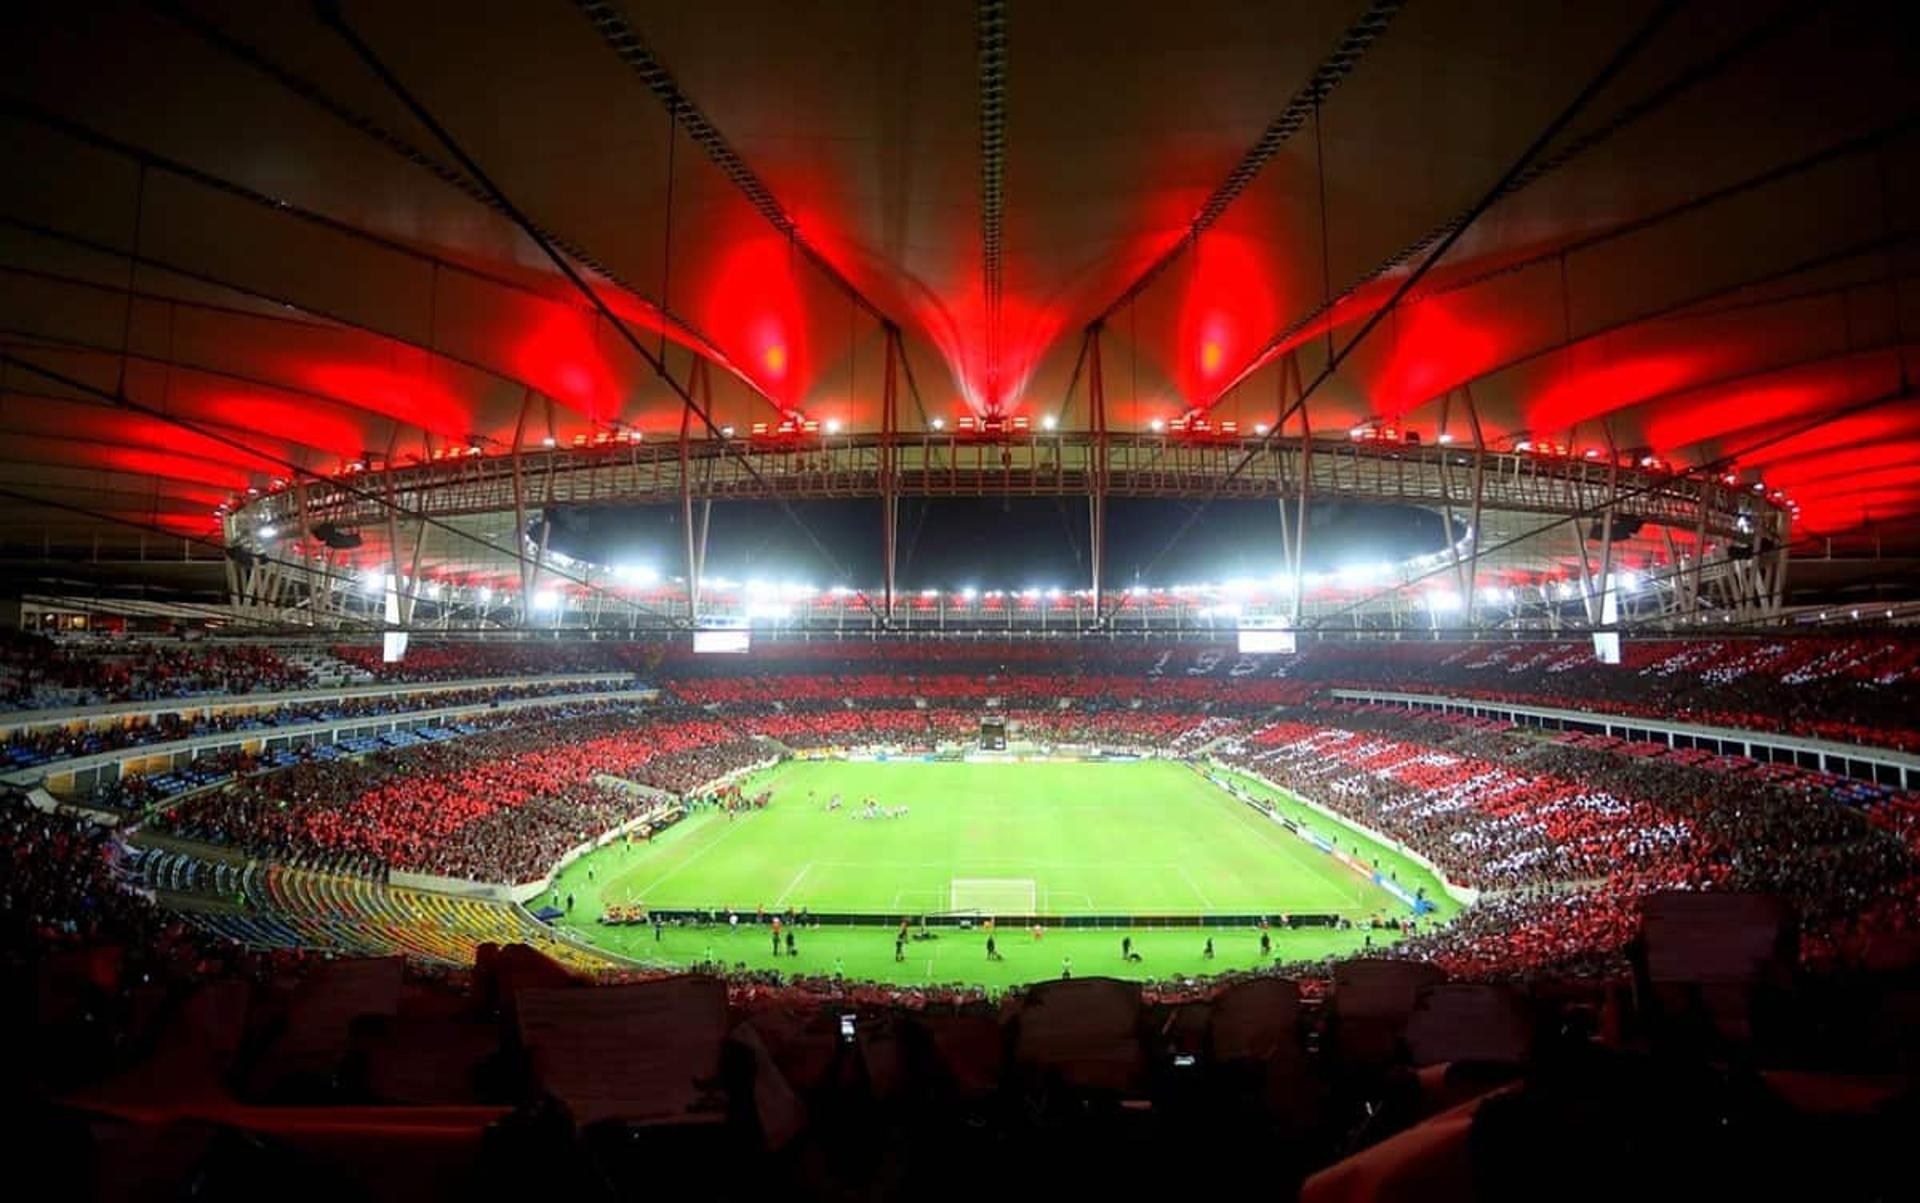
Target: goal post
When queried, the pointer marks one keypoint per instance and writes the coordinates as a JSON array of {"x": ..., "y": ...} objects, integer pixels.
[{"x": 994, "y": 895}]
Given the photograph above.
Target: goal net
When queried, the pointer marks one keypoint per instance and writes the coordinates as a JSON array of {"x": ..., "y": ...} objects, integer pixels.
[{"x": 994, "y": 895}]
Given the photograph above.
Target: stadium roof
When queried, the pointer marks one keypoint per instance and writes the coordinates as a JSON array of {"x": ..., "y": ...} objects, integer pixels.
[{"x": 240, "y": 237}]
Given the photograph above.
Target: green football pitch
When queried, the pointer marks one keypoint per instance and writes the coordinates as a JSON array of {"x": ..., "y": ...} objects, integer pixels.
[{"x": 1146, "y": 838}]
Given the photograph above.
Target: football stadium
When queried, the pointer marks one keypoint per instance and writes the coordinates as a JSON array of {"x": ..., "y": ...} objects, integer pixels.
[{"x": 971, "y": 598}]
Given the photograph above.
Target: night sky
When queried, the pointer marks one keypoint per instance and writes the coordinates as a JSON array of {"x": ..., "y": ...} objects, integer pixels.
[{"x": 1012, "y": 543}]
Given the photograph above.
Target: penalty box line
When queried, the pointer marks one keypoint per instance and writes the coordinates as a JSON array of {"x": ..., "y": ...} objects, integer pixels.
[{"x": 994, "y": 895}]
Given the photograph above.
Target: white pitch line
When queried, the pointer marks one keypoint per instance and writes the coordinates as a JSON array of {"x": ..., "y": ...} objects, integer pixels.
[
  {"x": 1195, "y": 887},
  {"x": 1339, "y": 884},
  {"x": 657, "y": 882},
  {"x": 804, "y": 870}
]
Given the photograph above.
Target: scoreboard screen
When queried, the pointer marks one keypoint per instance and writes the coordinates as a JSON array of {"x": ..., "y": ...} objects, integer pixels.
[
  {"x": 722, "y": 642},
  {"x": 993, "y": 734},
  {"x": 1266, "y": 641}
]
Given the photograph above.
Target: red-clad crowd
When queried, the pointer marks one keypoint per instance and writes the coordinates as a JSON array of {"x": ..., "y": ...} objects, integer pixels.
[
  {"x": 459, "y": 661},
  {"x": 1857, "y": 688},
  {"x": 500, "y": 806}
]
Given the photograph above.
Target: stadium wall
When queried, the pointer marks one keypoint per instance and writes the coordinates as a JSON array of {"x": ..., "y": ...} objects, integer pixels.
[{"x": 461, "y": 887}]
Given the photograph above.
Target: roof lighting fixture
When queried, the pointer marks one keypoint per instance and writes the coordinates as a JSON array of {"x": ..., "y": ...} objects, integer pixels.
[{"x": 1049, "y": 422}]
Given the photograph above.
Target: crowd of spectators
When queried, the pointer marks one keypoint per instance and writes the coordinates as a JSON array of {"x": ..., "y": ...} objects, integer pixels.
[
  {"x": 466, "y": 660},
  {"x": 1859, "y": 688},
  {"x": 502, "y": 805},
  {"x": 49, "y": 743},
  {"x": 37, "y": 672},
  {"x": 1025, "y": 691},
  {"x": 1862, "y": 689},
  {"x": 1566, "y": 834},
  {"x": 86, "y": 958},
  {"x": 1561, "y": 834},
  {"x": 1488, "y": 826}
]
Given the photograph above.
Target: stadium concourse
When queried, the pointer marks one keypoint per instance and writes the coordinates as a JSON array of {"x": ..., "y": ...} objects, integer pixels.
[{"x": 285, "y": 933}]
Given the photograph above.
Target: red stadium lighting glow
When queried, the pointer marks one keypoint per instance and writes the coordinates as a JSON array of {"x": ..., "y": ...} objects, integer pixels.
[{"x": 1228, "y": 306}]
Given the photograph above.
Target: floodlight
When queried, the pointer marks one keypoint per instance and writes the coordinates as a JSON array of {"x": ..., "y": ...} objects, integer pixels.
[
  {"x": 833, "y": 426},
  {"x": 546, "y": 599},
  {"x": 1049, "y": 422},
  {"x": 268, "y": 532}
]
